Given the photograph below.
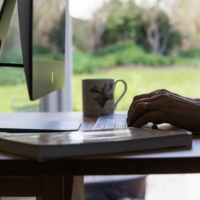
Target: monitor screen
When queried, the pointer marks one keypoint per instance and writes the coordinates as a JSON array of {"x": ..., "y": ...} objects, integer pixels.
[
  {"x": 6, "y": 11},
  {"x": 43, "y": 62}
]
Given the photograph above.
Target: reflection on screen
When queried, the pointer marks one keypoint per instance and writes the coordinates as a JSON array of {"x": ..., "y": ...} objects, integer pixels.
[{"x": 48, "y": 30}]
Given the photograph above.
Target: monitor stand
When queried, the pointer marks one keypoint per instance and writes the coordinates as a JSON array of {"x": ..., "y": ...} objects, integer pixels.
[{"x": 38, "y": 126}]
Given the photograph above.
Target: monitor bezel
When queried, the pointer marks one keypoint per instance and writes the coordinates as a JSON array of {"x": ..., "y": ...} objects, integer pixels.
[
  {"x": 42, "y": 77},
  {"x": 6, "y": 13}
]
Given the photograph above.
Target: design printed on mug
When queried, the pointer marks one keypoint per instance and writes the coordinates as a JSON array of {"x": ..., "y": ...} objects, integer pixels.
[{"x": 104, "y": 94}]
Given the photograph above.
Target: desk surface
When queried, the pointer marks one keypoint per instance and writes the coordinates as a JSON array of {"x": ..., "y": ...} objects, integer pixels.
[{"x": 177, "y": 160}]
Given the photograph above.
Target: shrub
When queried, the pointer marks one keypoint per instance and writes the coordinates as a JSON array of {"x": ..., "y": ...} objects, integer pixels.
[
  {"x": 133, "y": 54},
  {"x": 192, "y": 53},
  {"x": 11, "y": 76},
  {"x": 41, "y": 50},
  {"x": 122, "y": 53},
  {"x": 12, "y": 56},
  {"x": 116, "y": 47},
  {"x": 79, "y": 60},
  {"x": 187, "y": 62},
  {"x": 155, "y": 60}
]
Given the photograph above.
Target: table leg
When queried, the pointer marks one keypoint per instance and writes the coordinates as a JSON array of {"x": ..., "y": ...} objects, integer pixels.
[
  {"x": 62, "y": 188},
  {"x": 73, "y": 188},
  {"x": 52, "y": 188}
]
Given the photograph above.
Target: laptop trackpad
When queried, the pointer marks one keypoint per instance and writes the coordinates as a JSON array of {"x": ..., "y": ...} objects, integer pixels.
[{"x": 38, "y": 126}]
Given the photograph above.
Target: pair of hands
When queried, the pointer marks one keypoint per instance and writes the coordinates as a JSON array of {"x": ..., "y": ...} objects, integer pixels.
[{"x": 163, "y": 106}]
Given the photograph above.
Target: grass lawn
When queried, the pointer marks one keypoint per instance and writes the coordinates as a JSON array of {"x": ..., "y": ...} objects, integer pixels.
[
  {"x": 14, "y": 96},
  {"x": 184, "y": 81}
]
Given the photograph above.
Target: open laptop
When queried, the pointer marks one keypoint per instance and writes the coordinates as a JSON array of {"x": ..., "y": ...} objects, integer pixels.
[{"x": 83, "y": 142}]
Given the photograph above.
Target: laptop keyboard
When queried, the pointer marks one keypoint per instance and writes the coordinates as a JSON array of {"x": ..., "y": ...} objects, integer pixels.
[
  {"x": 116, "y": 121},
  {"x": 111, "y": 121}
]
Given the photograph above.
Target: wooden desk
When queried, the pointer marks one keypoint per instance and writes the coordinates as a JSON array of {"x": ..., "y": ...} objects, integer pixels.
[{"x": 66, "y": 171}]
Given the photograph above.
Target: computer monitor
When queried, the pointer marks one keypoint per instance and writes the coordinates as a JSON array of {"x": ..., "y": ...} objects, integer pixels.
[
  {"x": 6, "y": 12},
  {"x": 43, "y": 75}
]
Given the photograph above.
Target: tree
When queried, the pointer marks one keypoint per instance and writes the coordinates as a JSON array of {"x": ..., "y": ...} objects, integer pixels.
[
  {"x": 148, "y": 26},
  {"x": 46, "y": 14},
  {"x": 155, "y": 33},
  {"x": 99, "y": 21},
  {"x": 121, "y": 22},
  {"x": 56, "y": 35},
  {"x": 184, "y": 15}
]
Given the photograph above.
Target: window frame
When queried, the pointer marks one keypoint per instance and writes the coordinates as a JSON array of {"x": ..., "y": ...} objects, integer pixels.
[{"x": 61, "y": 100}]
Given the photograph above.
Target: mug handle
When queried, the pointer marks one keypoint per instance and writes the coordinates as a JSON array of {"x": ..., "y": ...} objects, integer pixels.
[{"x": 125, "y": 88}]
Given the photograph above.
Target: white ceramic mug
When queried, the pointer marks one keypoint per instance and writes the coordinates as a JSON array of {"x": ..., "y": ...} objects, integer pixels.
[{"x": 98, "y": 96}]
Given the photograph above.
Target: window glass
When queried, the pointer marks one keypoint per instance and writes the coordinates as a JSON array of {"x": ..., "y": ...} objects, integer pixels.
[
  {"x": 151, "y": 44},
  {"x": 13, "y": 90},
  {"x": 48, "y": 44}
]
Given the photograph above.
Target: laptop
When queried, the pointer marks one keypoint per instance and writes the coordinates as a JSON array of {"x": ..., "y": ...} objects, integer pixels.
[{"x": 56, "y": 145}]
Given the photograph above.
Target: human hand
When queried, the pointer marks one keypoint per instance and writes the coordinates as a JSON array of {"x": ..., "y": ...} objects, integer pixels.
[{"x": 162, "y": 106}]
